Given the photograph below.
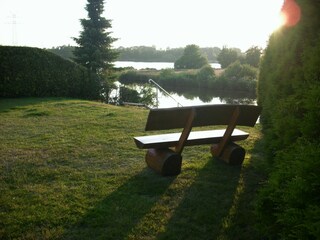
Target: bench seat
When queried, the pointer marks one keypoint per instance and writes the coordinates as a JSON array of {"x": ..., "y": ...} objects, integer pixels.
[{"x": 195, "y": 138}]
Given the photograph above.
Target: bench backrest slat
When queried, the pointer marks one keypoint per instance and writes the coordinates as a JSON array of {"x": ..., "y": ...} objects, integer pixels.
[{"x": 206, "y": 115}]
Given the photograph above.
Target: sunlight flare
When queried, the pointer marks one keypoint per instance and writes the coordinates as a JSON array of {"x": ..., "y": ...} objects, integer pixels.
[{"x": 291, "y": 13}]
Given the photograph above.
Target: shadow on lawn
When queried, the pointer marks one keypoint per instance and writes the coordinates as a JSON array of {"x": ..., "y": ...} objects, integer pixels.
[
  {"x": 217, "y": 205},
  {"x": 7, "y": 104},
  {"x": 206, "y": 204},
  {"x": 220, "y": 203},
  {"x": 114, "y": 216}
]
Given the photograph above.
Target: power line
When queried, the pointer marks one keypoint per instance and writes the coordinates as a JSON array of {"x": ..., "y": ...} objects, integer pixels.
[{"x": 13, "y": 22}]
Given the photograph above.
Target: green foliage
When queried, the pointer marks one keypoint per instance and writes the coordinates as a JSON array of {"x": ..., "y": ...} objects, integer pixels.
[
  {"x": 206, "y": 76},
  {"x": 289, "y": 90},
  {"x": 65, "y": 52},
  {"x": 129, "y": 95},
  {"x": 211, "y": 53},
  {"x": 252, "y": 56},
  {"x": 191, "y": 58},
  {"x": 228, "y": 56},
  {"x": 206, "y": 73},
  {"x": 143, "y": 53},
  {"x": 94, "y": 51},
  {"x": 148, "y": 54},
  {"x": 239, "y": 77},
  {"x": 133, "y": 76},
  {"x": 288, "y": 206},
  {"x": 238, "y": 71},
  {"x": 143, "y": 95},
  {"x": 26, "y": 72},
  {"x": 151, "y": 54}
]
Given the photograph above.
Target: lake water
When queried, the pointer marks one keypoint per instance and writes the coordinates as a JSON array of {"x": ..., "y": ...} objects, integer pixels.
[
  {"x": 189, "y": 97},
  {"x": 200, "y": 97},
  {"x": 154, "y": 65}
]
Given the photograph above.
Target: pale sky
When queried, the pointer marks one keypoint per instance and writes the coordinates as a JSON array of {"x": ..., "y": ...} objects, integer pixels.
[{"x": 160, "y": 23}]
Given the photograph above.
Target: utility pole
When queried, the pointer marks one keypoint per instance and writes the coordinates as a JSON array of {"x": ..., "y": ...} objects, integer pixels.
[{"x": 13, "y": 23}]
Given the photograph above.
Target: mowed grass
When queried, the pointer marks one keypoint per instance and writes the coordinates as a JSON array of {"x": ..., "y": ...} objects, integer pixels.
[{"x": 69, "y": 169}]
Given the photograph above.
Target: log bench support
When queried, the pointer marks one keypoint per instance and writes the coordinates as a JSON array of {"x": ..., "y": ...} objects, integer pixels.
[
  {"x": 229, "y": 151},
  {"x": 168, "y": 162},
  {"x": 164, "y": 161},
  {"x": 164, "y": 154}
]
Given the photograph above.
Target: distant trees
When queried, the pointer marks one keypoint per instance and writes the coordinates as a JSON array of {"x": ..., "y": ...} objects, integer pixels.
[
  {"x": 252, "y": 56},
  {"x": 143, "y": 53},
  {"x": 191, "y": 58},
  {"x": 64, "y": 51},
  {"x": 239, "y": 77},
  {"x": 94, "y": 50},
  {"x": 151, "y": 54},
  {"x": 227, "y": 56}
]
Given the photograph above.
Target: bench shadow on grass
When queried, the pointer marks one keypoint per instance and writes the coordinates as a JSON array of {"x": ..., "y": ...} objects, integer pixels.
[
  {"x": 206, "y": 203},
  {"x": 114, "y": 216},
  {"x": 220, "y": 203},
  {"x": 217, "y": 205}
]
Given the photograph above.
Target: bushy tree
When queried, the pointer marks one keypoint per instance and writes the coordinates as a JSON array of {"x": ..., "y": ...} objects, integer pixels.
[
  {"x": 206, "y": 73},
  {"x": 289, "y": 90},
  {"x": 95, "y": 51},
  {"x": 252, "y": 56},
  {"x": 239, "y": 77},
  {"x": 144, "y": 96},
  {"x": 191, "y": 58},
  {"x": 228, "y": 56}
]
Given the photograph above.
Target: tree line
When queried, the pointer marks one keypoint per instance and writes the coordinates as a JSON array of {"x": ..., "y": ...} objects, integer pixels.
[
  {"x": 143, "y": 53},
  {"x": 224, "y": 56}
]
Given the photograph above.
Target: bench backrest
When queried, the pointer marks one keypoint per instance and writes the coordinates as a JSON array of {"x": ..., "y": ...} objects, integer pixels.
[{"x": 205, "y": 115}]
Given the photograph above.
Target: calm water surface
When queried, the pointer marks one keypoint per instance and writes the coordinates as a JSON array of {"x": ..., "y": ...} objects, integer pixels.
[
  {"x": 189, "y": 97},
  {"x": 154, "y": 65}
]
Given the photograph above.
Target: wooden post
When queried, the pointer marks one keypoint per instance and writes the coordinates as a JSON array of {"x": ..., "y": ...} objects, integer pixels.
[
  {"x": 164, "y": 161},
  {"x": 232, "y": 154},
  {"x": 186, "y": 131},
  {"x": 227, "y": 134}
]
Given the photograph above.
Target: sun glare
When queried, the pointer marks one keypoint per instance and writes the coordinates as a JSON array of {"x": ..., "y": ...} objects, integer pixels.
[
  {"x": 280, "y": 18},
  {"x": 273, "y": 18},
  {"x": 280, "y": 21},
  {"x": 291, "y": 13}
]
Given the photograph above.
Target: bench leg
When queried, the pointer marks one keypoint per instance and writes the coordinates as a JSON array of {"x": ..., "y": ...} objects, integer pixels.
[
  {"x": 232, "y": 154},
  {"x": 164, "y": 161}
]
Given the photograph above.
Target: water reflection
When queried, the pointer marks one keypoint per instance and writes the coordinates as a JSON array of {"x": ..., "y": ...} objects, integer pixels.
[
  {"x": 191, "y": 96},
  {"x": 184, "y": 96}
]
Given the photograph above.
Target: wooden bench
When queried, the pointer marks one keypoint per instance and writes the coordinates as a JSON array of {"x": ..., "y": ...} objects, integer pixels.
[{"x": 164, "y": 150}]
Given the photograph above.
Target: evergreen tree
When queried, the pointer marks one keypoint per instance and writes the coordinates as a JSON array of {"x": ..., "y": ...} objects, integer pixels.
[
  {"x": 94, "y": 51},
  {"x": 289, "y": 88},
  {"x": 191, "y": 58}
]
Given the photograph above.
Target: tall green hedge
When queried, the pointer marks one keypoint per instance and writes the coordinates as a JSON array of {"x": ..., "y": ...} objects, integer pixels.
[
  {"x": 33, "y": 72},
  {"x": 289, "y": 92}
]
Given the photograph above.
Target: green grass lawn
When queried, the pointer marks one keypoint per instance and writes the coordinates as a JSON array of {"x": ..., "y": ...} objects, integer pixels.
[{"x": 69, "y": 169}]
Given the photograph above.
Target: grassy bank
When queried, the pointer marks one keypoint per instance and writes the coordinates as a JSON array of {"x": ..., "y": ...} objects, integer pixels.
[{"x": 69, "y": 169}]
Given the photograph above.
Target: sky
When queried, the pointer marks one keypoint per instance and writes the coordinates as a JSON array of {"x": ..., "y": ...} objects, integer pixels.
[{"x": 160, "y": 23}]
